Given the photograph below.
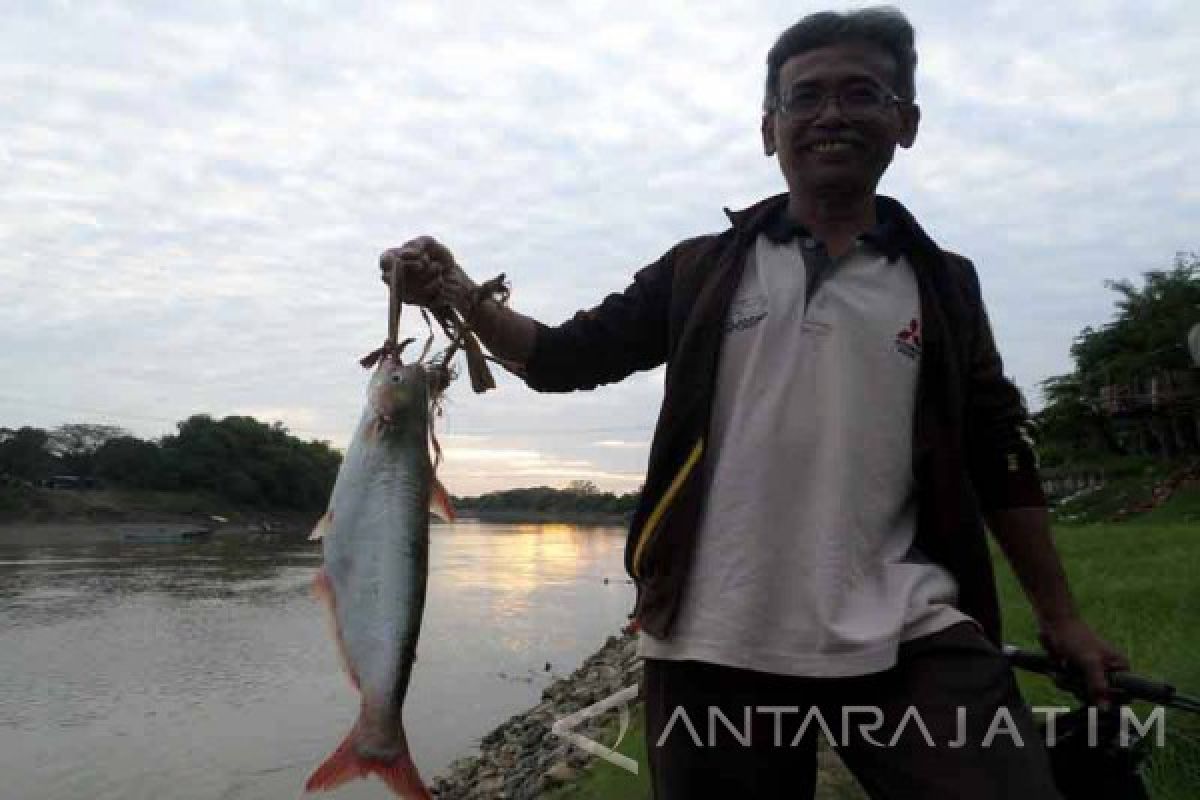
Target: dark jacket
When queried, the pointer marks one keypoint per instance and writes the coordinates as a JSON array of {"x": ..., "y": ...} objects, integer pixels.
[{"x": 971, "y": 453}]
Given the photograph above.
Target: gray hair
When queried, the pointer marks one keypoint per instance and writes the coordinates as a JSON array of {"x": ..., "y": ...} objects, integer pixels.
[{"x": 882, "y": 26}]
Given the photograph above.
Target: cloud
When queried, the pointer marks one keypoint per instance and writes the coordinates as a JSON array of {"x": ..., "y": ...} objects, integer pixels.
[
  {"x": 476, "y": 470},
  {"x": 196, "y": 195}
]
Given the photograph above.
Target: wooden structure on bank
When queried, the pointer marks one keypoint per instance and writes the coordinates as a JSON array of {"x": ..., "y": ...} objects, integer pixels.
[{"x": 1158, "y": 414}]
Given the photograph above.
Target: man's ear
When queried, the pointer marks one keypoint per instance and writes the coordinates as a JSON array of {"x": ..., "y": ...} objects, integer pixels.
[
  {"x": 768, "y": 134},
  {"x": 910, "y": 120}
]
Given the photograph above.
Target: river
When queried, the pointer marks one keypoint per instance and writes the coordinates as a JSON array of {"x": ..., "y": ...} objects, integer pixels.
[{"x": 206, "y": 670}]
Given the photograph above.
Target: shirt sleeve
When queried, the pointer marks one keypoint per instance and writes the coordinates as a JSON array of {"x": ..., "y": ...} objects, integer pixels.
[
  {"x": 1000, "y": 450},
  {"x": 626, "y": 332}
]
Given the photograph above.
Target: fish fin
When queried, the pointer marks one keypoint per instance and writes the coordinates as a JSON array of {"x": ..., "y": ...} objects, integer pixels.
[
  {"x": 342, "y": 766},
  {"x": 346, "y": 764},
  {"x": 439, "y": 502},
  {"x": 323, "y": 589},
  {"x": 401, "y": 777},
  {"x": 323, "y": 526}
]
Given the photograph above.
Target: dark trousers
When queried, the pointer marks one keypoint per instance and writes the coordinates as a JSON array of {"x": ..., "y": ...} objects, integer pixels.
[{"x": 744, "y": 735}]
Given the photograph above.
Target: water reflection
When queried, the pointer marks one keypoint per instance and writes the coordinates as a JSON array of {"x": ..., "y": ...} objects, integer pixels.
[
  {"x": 205, "y": 669},
  {"x": 509, "y": 570}
]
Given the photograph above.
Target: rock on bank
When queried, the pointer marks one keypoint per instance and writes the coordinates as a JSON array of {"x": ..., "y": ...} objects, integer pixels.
[{"x": 522, "y": 759}]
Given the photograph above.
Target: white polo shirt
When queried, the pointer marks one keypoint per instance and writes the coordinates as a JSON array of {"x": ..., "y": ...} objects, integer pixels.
[{"x": 804, "y": 563}]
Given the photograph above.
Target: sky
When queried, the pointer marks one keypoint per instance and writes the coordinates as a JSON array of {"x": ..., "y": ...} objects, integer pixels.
[{"x": 194, "y": 196}]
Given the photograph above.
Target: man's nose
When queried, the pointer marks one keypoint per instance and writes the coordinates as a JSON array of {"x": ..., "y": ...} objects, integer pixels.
[{"x": 829, "y": 111}]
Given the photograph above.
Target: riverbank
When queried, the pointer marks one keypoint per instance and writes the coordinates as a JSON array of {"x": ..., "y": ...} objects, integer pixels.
[
  {"x": 519, "y": 516},
  {"x": 522, "y": 759},
  {"x": 75, "y": 509},
  {"x": 40, "y": 505},
  {"x": 64, "y": 516}
]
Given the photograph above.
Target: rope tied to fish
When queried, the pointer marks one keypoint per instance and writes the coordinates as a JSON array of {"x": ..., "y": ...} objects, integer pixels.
[{"x": 458, "y": 329}]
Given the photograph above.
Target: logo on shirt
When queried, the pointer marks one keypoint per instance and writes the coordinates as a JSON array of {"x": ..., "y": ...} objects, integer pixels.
[
  {"x": 908, "y": 341},
  {"x": 745, "y": 313}
]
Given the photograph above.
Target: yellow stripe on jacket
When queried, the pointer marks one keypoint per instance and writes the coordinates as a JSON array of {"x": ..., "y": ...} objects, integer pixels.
[{"x": 664, "y": 503}]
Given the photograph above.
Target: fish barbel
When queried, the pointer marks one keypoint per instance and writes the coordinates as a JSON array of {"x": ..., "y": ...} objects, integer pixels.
[{"x": 376, "y": 558}]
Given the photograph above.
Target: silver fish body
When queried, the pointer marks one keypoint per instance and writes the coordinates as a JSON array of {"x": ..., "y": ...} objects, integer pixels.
[{"x": 376, "y": 559}]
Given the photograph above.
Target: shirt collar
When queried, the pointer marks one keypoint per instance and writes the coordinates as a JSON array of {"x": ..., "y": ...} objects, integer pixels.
[{"x": 886, "y": 236}]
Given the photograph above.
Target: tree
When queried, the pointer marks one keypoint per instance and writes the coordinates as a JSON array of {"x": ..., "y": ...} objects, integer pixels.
[
  {"x": 1145, "y": 339},
  {"x": 240, "y": 458},
  {"x": 130, "y": 461},
  {"x": 1149, "y": 331},
  {"x": 1070, "y": 424},
  {"x": 251, "y": 462},
  {"x": 24, "y": 454},
  {"x": 75, "y": 445}
]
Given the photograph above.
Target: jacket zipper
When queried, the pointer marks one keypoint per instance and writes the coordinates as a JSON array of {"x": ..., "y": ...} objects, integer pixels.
[{"x": 663, "y": 504}]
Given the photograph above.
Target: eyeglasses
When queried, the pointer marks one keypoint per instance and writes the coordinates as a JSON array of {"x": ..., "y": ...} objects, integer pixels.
[{"x": 858, "y": 100}]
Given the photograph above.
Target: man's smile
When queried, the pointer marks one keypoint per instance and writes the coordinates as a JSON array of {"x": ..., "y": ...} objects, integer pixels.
[
  {"x": 839, "y": 146},
  {"x": 830, "y": 146}
]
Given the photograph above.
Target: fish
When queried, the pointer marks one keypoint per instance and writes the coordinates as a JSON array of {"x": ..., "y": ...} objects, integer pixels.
[{"x": 375, "y": 544}]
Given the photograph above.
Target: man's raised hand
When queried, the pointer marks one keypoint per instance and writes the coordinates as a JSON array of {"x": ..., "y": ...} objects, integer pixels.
[{"x": 430, "y": 276}]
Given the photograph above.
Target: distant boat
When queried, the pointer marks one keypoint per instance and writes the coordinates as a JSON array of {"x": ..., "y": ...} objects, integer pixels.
[{"x": 166, "y": 535}]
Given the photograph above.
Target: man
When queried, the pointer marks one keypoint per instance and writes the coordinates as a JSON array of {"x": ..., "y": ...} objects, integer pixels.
[{"x": 836, "y": 423}]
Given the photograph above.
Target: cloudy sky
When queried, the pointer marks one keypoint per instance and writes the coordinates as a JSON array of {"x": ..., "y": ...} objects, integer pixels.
[{"x": 193, "y": 196}]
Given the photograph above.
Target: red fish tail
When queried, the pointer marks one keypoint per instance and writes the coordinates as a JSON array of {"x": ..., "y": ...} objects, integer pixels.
[
  {"x": 342, "y": 766},
  {"x": 346, "y": 764},
  {"x": 402, "y": 778}
]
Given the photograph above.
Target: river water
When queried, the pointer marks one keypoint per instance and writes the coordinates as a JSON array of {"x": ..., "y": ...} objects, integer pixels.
[{"x": 207, "y": 671}]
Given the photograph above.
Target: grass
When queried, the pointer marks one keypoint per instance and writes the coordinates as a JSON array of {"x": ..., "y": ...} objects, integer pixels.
[
  {"x": 604, "y": 780},
  {"x": 1136, "y": 583},
  {"x": 1182, "y": 508}
]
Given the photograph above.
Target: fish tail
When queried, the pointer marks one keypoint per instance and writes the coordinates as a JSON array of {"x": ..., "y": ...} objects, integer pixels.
[
  {"x": 346, "y": 764},
  {"x": 401, "y": 777}
]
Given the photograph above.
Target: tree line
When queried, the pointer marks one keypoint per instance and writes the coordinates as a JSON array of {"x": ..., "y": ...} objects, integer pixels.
[
  {"x": 243, "y": 460},
  {"x": 578, "y": 496}
]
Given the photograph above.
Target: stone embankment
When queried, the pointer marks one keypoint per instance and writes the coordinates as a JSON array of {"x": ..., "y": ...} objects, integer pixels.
[{"x": 522, "y": 759}]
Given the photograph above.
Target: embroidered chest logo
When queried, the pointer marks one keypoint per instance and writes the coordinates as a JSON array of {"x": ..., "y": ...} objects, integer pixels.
[
  {"x": 745, "y": 313},
  {"x": 908, "y": 341}
]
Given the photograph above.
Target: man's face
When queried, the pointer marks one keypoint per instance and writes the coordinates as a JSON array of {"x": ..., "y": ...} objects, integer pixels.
[{"x": 834, "y": 151}]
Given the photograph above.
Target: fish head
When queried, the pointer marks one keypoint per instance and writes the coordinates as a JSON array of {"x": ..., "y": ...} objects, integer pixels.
[{"x": 399, "y": 391}]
